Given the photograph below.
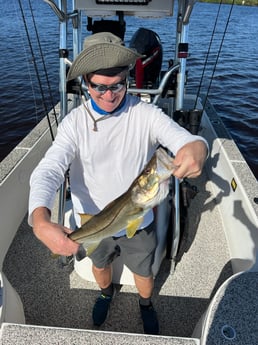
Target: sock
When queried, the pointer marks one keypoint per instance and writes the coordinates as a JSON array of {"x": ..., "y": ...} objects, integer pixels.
[
  {"x": 145, "y": 301},
  {"x": 108, "y": 291}
]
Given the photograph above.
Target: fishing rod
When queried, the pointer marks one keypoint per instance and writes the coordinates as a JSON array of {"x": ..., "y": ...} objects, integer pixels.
[
  {"x": 36, "y": 69},
  {"x": 43, "y": 63},
  {"x": 218, "y": 53}
]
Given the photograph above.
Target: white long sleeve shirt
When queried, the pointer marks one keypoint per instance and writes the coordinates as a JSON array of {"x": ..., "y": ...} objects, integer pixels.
[{"x": 103, "y": 163}]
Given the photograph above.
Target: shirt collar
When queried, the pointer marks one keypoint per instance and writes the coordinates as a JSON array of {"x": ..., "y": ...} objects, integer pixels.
[{"x": 103, "y": 112}]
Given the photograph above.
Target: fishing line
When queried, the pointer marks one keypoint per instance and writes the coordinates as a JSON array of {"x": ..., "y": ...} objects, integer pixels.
[
  {"x": 26, "y": 59},
  {"x": 44, "y": 65},
  {"x": 207, "y": 55},
  {"x": 218, "y": 54},
  {"x": 36, "y": 70}
]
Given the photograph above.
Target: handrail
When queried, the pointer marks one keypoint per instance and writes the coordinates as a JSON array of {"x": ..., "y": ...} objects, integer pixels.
[{"x": 161, "y": 87}]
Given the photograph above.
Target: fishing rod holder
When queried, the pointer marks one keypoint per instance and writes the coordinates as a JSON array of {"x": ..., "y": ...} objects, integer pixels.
[{"x": 189, "y": 119}]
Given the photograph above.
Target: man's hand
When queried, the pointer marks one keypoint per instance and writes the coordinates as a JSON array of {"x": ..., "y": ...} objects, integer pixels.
[
  {"x": 190, "y": 159},
  {"x": 54, "y": 236}
]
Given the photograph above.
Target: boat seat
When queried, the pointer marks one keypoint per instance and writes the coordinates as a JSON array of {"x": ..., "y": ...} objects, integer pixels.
[
  {"x": 232, "y": 316},
  {"x": 116, "y": 27}
]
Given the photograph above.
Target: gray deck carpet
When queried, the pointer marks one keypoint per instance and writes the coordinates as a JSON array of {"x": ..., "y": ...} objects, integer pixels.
[{"x": 58, "y": 297}]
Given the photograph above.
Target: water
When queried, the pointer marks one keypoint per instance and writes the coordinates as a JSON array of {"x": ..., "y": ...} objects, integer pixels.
[
  {"x": 21, "y": 102},
  {"x": 233, "y": 90}
]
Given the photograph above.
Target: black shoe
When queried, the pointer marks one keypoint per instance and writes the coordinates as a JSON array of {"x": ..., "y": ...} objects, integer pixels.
[
  {"x": 150, "y": 320},
  {"x": 100, "y": 309}
]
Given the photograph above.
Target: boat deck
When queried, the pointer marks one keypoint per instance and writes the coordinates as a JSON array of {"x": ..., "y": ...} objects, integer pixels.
[
  {"x": 58, "y": 303},
  {"x": 56, "y": 296}
]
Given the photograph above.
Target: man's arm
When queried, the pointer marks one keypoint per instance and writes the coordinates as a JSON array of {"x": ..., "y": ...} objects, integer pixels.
[
  {"x": 54, "y": 236},
  {"x": 190, "y": 159}
]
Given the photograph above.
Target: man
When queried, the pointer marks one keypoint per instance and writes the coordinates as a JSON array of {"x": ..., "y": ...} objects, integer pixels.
[{"x": 106, "y": 142}]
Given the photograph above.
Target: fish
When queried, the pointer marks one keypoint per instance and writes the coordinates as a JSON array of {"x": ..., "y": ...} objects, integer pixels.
[{"x": 148, "y": 190}]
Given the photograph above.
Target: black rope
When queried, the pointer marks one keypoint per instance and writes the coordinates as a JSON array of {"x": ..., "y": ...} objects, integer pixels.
[
  {"x": 44, "y": 65},
  {"x": 36, "y": 70},
  {"x": 218, "y": 54}
]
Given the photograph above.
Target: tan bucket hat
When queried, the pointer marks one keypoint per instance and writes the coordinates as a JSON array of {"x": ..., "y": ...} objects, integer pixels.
[{"x": 102, "y": 50}]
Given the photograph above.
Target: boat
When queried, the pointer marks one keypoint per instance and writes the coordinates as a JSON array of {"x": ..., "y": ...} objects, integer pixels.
[{"x": 206, "y": 268}]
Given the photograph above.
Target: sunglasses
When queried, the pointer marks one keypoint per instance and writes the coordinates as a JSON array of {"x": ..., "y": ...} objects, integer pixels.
[{"x": 100, "y": 88}]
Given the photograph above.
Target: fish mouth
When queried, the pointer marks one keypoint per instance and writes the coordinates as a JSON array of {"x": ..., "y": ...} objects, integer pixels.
[
  {"x": 152, "y": 186},
  {"x": 148, "y": 198},
  {"x": 165, "y": 165}
]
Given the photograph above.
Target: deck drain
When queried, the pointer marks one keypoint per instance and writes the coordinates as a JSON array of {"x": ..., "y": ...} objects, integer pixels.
[{"x": 228, "y": 332}]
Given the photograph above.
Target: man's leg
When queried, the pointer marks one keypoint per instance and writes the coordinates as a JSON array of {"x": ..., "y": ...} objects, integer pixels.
[
  {"x": 103, "y": 276},
  {"x": 137, "y": 253},
  {"x": 102, "y": 258},
  {"x": 145, "y": 286}
]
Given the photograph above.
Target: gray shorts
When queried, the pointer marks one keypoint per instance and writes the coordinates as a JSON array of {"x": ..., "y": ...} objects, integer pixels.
[{"x": 137, "y": 253}]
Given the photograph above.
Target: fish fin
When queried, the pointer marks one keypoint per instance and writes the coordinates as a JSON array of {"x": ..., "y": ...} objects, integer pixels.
[
  {"x": 85, "y": 217},
  {"x": 133, "y": 226}
]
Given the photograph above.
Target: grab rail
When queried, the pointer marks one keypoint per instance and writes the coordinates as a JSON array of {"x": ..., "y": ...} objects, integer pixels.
[{"x": 161, "y": 87}]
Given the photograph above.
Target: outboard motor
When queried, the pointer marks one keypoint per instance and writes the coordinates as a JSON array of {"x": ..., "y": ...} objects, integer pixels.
[{"x": 147, "y": 69}]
